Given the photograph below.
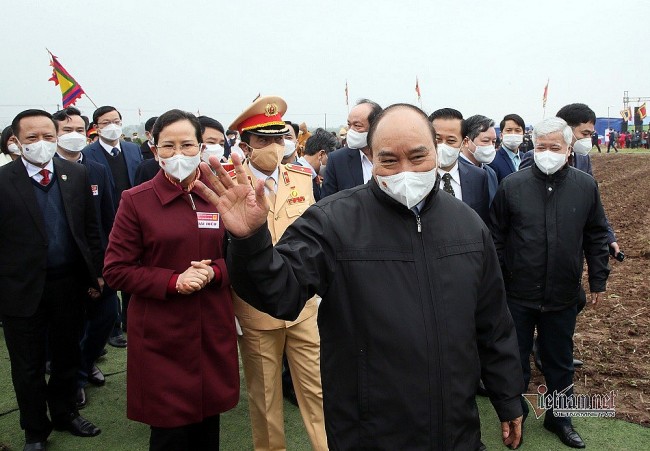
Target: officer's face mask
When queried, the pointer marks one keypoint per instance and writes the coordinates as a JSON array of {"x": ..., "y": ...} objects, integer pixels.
[{"x": 267, "y": 158}]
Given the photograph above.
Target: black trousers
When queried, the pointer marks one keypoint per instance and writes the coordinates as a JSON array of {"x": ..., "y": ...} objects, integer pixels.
[
  {"x": 57, "y": 322},
  {"x": 192, "y": 437},
  {"x": 555, "y": 347}
]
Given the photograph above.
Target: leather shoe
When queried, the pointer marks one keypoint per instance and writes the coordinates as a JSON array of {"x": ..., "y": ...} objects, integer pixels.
[
  {"x": 577, "y": 362},
  {"x": 567, "y": 435},
  {"x": 81, "y": 398},
  {"x": 37, "y": 446},
  {"x": 118, "y": 341},
  {"x": 96, "y": 377},
  {"x": 78, "y": 426}
]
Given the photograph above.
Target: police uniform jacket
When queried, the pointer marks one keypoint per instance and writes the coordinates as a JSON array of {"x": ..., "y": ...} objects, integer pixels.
[
  {"x": 294, "y": 195},
  {"x": 413, "y": 314}
]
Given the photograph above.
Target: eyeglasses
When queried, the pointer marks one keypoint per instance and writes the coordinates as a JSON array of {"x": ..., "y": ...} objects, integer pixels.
[
  {"x": 171, "y": 148},
  {"x": 105, "y": 123}
]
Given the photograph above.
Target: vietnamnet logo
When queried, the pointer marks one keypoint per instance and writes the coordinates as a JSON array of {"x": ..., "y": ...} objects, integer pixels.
[{"x": 571, "y": 405}]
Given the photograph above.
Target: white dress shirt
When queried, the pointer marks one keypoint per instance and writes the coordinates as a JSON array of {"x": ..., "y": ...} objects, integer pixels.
[
  {"x": 109, "y": 149},
  {"x": 366, "y": 167},
  {"x": 34, "y": 171},
  {"x": 455, "y": 181}
]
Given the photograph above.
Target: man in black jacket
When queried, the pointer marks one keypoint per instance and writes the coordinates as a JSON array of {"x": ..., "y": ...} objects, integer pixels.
[
  {"x": 404, "y": 340},
  {"x": 545, "y": 220},
  {"x": 50, "y": 259}
]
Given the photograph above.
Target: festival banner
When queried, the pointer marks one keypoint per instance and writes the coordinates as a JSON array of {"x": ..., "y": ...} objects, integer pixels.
[{"x": 71, "y": 91}]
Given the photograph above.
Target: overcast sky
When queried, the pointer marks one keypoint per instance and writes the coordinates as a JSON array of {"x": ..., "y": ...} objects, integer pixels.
[{"x": 487, "y": 57}]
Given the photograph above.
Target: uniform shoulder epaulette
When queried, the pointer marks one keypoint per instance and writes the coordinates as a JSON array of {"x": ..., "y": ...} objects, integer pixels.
[{"x": 298, "y": 168}]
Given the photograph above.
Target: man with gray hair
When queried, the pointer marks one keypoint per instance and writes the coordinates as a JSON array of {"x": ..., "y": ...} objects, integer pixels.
[
  {"x": 545, "y": 220},
  {"x": 479, "y": 138}
]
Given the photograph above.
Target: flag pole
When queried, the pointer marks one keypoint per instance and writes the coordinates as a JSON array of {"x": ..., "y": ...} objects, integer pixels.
[
  {"x": 347, "y": 98},
  {"x": 91, "y": 100}
]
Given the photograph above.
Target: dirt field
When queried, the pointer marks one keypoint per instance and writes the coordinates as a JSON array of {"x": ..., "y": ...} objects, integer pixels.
[{"x": 613, "y": 339}]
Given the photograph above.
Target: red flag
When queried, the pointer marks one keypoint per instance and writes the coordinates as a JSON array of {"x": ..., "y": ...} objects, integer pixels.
[
  {"x": 545, "y": 93},
  {"x": 417, "y": 87},
  {"x": 71, "y": 91},
  {"x": 346, "y": 92}
]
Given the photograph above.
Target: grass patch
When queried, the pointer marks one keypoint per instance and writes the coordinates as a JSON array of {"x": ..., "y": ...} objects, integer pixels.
[{"x": 107, "y": 409}]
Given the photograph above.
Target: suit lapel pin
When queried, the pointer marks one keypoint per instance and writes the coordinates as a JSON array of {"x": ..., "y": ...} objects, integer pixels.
[{"x": 64, "y": 177}]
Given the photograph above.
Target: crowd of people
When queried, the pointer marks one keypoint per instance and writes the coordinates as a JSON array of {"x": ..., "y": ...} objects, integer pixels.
[
  {"x": 624, "y": 140},
  {"x": 379, "y": 277}
]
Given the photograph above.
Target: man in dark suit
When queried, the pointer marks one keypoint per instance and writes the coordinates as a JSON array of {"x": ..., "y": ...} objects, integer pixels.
[
  {"x": 318, "y": 147},
  {"x": 463, "y": 181},
  {"x": 146, "y": 147},
  {"x": 121, "y": 158},
  {"x": 508, "y": 158},
  {"x": 351, "y": 166},
  {"x": 47, "y": 268},
  {"x": 149, "y": 167},
  {"x": 479, "y": 139},
  {"x": 102, "y": 313}
]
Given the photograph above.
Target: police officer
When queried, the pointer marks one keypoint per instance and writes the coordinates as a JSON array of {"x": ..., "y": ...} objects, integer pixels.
[{"x": 265, "y": 339}]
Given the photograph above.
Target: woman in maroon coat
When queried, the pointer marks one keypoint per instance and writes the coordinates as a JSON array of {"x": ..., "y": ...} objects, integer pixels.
[{"x": 167, "y": 248}]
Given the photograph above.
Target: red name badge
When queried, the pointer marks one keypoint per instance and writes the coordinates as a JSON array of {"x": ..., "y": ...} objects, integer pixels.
[{"x": 207, "y": 220}]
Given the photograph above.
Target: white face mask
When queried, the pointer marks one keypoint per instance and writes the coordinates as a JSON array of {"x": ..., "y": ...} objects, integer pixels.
[
  {"x": 447, "y": 155},
  {"x": 484, "y": 154},
  {"x": 289, "y": 147},
  {"x": 13, "y": 148},
  {"x": 321, "y": 170},
  {"x": 39, "y": 152},
  {"x": 212, "y": 150},
  {"x": 357, "y": 140},
  {"x": 513, "y": 141},
  {"x": 180, "y": 167},
  {"x": 408, "y": 188},
  {"x": 582, "y": 146},
  {"x": 72, "y": 142},
  {"x": 549, "y": 162},
  {"x": 111, "y": 132}
]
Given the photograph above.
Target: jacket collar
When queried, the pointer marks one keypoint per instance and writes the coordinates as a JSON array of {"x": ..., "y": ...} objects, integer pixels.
[
  {"x": 558, "y": 176},
  {"x": 167, "y": 192}
]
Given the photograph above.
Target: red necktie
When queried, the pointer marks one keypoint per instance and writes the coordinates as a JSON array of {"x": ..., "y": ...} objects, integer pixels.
[{"x": 46, "y": 177}]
